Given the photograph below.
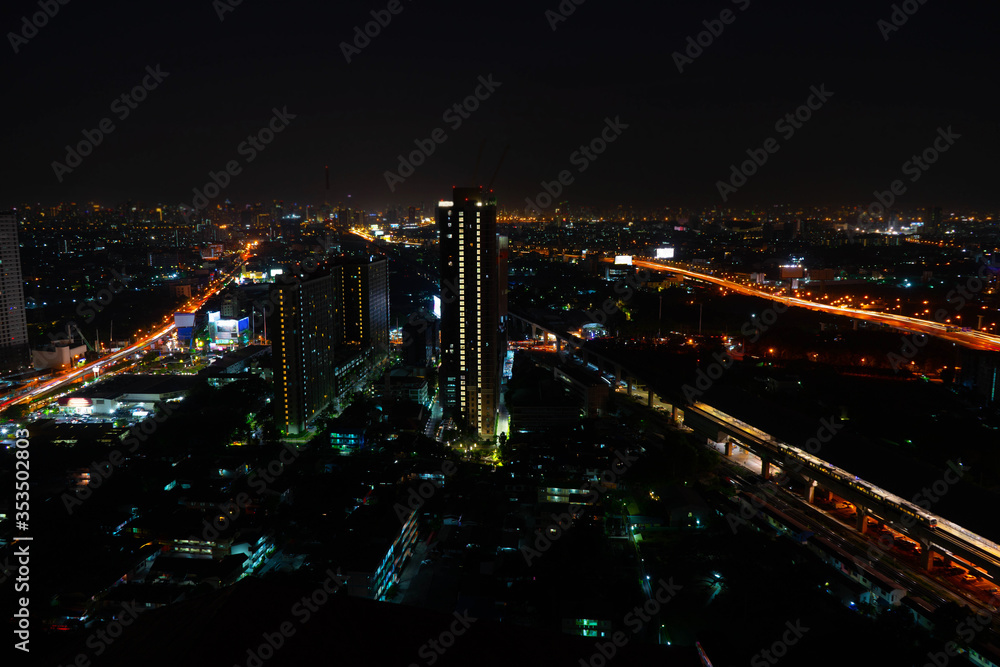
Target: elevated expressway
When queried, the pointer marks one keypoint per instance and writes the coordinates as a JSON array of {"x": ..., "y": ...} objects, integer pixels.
[
  {"x": 934, "y": 533},
  {"x": 972, "y": 339}
]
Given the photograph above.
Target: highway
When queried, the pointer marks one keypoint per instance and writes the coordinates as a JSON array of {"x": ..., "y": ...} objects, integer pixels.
[
  {"x": 947, "y": 537},
  {"x": 854, "y": 544},
  {"x": 94, "y": 367},
  {"x": 891, "y": 565},
  {"x": 973, "y": 339}
]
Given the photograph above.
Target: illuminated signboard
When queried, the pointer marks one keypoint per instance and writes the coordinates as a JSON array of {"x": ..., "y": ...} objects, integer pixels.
[
  {"x": 227, "y": 332},
  {"x": 184, "y": 319},
  {"x": 623, "y": 259},
  {"x": 664, "y": 253}
]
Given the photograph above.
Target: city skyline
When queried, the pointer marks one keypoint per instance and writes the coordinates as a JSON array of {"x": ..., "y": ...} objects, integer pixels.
[{"x": 466, "y": 334}]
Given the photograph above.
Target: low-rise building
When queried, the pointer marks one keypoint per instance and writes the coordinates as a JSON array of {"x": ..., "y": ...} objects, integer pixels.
[
  {"x": 378, "y": 542},
  {"x": 131, "y": 392}
]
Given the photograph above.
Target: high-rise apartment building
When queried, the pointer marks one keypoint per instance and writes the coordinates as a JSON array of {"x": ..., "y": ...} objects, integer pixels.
[
  {"x": 14, "y": 351},
  {"x": 362, "y": 287},
  {"x": 473, "y": 329},
  {"x": 303, "y": 334}
]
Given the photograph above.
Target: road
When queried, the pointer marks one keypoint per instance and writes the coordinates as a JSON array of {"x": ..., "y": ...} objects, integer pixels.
[
  {"x": 948, "y": 537},
  {"x": 94, "y": 367},
  {"x": 972, "y": 339},
  {"x": 891, "y": 565}
]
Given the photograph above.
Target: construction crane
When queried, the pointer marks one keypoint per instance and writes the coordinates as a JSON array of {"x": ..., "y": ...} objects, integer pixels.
[{"x": 72, "y": 326}]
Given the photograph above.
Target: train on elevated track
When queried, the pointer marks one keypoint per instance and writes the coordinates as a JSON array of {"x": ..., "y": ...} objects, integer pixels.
[{"x": 904, "y": 507}]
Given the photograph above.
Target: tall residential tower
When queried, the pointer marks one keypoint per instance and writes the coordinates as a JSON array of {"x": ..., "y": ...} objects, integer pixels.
[
  {"x": 14, "y": 351},
  {"x": 473, "y": 317},
  {"x": 362, "y": 287},
  {"x": 303, "y": 332}
]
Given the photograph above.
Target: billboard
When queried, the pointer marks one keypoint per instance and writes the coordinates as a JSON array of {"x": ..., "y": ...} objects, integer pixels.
[
  {"x": 792, "y": 271},
  {"x": 623, "y": 259},
  {"x": 664, "y": 253},
  {"x": 253, "y": 275},
  {"x": 183, "y": 320},
  {"x": 213, "y": 316},
  {"x": 227, "y": 332},
  {"x": 822, "y": 274}
]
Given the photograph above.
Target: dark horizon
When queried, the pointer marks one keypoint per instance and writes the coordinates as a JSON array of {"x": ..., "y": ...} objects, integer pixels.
[{"x": 551, "y": 91}]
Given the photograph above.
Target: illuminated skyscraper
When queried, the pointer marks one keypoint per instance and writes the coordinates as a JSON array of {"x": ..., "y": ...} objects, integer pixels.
[
  {"x": 13, "y": 325},
  {"x": 303, "y": 331},
  {"x": 473, "y": 338},
  {"x": 362, "y": 287}
]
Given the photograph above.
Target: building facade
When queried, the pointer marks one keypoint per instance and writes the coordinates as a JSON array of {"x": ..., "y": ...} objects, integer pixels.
[
  {"x": 302, "y": 331},
  {"x": 473, "y": 328},
  {"x": 14, "y": 352},
  {"x": 362, "y": 287}
]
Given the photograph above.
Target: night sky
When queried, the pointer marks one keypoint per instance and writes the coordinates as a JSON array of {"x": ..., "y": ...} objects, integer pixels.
[{"x": 557, "y": 87}]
